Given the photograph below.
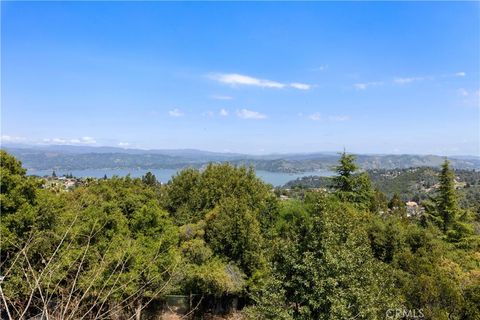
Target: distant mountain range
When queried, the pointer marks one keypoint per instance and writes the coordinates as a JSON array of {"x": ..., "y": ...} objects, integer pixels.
[{"x": 62, "y": 157}]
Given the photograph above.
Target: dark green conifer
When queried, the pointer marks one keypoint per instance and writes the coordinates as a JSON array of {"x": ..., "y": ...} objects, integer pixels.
[{"x": 447, "y": 199}]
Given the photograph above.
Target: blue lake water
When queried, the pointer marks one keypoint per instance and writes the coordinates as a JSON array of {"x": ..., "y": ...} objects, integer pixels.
[{"x": 164, "y": 175}]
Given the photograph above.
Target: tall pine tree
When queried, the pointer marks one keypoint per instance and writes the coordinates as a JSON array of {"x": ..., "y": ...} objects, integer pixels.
[
  {"x": 344, "y": 181},
  {"x": 351, "y": 186},
  {"x": 447, "y": 200}
]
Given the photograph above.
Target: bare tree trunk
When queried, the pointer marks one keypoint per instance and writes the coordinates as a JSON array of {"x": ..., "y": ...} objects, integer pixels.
[
  {"x": 4, "y": 302},
  {"x": 138, "y": 310}
]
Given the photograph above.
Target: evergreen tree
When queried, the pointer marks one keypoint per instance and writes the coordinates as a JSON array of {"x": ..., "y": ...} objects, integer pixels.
[
  {"x": 149, "y": 179},
  {"x": 54, "y": 175},
  {"x": 447, "y": 199},
  {"x": 344, "y": 181},
  {"x": 353, "y": 187}
]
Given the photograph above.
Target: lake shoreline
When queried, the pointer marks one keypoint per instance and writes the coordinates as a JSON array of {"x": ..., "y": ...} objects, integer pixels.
[{"x": 164, "y": 175}]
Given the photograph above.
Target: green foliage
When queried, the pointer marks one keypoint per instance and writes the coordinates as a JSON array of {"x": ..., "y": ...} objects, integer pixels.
[
  {"x": 446, "y": 201},
  {"x": 225, "y": 213},
  {"x": 291, "y": 213},
  {"x": 397, "y": 206},
  {"x": 344, "y": 181},
  {"x": 379, "y": 202},
  {"x": 17, "y": 190},
  {"x": 460, "y": 226},
  {"x": 411, "y": 184},
  {"x": 203, "y": 272},
  {"x": 215, "y": 277},
  {"x": 234, "y": 232},
  {"x": 385, "y": 237},
  {"x": 192, "y": 193},
  {"x": 235, "y": 205},
  {"x": 410, "y": 264},
  {"x": 270, "y": 301},
  {"x": 115, "y": 244},
  {"x": 430, "y": 274},
  {"x": 91, "y": 248},
  {"x": 352, "y": 187},
  {"x": 150, "y": 179},
  {"x": 326, "y": 266},
  {"x": 18, "y": 205}
]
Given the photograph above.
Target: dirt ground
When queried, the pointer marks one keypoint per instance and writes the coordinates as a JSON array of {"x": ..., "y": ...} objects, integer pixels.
[{"x": 174, "y": 316}]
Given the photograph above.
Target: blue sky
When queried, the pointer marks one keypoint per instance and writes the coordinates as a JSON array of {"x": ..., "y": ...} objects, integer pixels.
[{"x": 243, "y": 77}]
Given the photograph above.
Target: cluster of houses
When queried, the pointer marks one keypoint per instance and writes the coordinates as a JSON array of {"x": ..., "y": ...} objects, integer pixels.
[
  {"x": 63, "y": 183},
  {"x": 414, "y": 209}
]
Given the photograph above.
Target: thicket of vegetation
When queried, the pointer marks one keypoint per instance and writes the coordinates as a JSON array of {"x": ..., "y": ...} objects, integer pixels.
[
  {"x": 108, "y": 249},
  {"x": 412, "y": 184}
]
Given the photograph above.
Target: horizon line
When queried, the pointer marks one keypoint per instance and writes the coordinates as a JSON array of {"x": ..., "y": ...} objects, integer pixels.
[{"x": 26, "y": 146}]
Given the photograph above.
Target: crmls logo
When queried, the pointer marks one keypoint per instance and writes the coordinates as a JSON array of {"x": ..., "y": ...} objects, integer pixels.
[{"x": 404, "y": 314}]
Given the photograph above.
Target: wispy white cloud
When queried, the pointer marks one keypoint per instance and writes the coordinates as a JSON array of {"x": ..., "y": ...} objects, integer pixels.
[
  {"x": 317, "y": 116},
  {"x": 221, "y": 113},
  {"x": 235, "y": 79},
  {"x": 208, "y": 114},
  {"x": 58, "y": 140},
  {"x": 470, "y": 98},
  {"x": 80, "y": 141},
  {"x": 175, "y": 113},
  {"x": 463, "y": 92},
  {"x": 366, "y": 85},
  {"x": 406, "y": 80},
  {"x": 88, "y": 140},
  {"x": 240, "y": 79},
  {"x": 220, "y": 97},
  {"x": 360, "y": 86},
  {"x": 466, "y": 93},
  {"x": 8, "y": 138},
  {"x": 339, "y": 118},
  {"x": 300, "y": 86},
  {"x": 250, "y": 114},
  {"x": 123, "y": 144},
  {"x": 321, "y": 67}
]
